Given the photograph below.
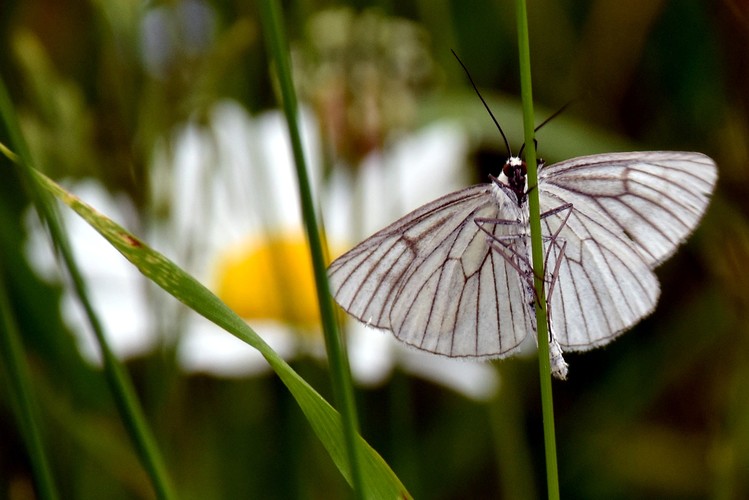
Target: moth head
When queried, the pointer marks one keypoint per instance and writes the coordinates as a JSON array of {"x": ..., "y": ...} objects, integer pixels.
[{"x": 515, "y": 171}]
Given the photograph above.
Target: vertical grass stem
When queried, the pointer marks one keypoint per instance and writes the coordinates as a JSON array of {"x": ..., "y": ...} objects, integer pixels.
[
  {"x": 547, "y": 402},
  {"x": 337, "y": 357}
]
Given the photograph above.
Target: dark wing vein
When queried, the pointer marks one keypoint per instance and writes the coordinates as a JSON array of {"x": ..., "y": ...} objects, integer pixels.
[
  {"x": 630, "y": 212},
  {"x": 656, "y": 198},
  {"x": 432, "y": 279}
]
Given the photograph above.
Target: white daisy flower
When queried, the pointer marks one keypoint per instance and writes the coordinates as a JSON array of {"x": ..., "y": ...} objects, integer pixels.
[{"x": 233, "y": 220}]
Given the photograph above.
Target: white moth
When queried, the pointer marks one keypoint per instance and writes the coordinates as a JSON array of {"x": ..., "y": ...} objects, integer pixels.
[{"x": 454, "y": 277}]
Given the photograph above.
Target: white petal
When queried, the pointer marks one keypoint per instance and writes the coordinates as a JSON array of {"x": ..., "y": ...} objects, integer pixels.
[
  {"x": 205, "y": 348},
  {"x": 116, "y": 289}
]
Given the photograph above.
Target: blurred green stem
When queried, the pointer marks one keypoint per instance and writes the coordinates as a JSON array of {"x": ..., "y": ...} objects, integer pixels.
[
  {"x": 119, "y": 383},
  {"x": 340, "y": 371},
  {"x": 547, "y": 402},
  {"x": 24, "y": 404}
]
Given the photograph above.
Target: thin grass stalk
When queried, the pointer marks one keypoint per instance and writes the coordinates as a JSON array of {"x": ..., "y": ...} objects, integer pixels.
[
  {"x": 119, "y": 383},
  {"x": 25, "y": 406},
  {"x": 544, "y": 364},
  {"x": 337, "y": 357}
]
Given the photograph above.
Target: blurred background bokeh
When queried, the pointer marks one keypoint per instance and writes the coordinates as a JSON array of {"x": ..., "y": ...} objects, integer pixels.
[{"x": 164, "y": 116}]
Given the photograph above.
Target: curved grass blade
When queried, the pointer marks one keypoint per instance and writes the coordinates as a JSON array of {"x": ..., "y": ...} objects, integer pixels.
[
  {"x": 379, "y": 480},
  {"x": 119, "y": 383}
]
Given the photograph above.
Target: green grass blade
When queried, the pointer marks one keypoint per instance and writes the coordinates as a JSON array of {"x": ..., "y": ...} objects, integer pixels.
[
  {"x": 24, "y": 403},
  {"x": 379, "y": 481},
  {"x": 340, "y": 370},
  {"x": 547, "y": 402},
  {"x": 122, "y": 389}
]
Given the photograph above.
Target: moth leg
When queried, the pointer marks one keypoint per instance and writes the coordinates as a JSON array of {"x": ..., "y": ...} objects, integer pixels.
[
  {"x": 559, "y": 366},
  {"x": 504, "y": 244},
  {"x": 554, "y": 243},
  {"x": 500, "y": 243}
]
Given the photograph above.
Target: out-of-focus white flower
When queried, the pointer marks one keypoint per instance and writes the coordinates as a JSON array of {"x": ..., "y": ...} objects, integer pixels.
[
  {"x": 117, "y": 289},
  {"x": 229, "y": 191},
  {"x": 256, "y": 256}
]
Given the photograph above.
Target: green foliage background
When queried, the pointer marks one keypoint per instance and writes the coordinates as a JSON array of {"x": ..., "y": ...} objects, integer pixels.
[{"x": 662, "y": 412}]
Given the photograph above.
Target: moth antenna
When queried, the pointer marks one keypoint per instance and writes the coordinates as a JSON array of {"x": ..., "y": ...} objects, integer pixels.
[
  {"x": 553, "y": 115},
  {"x": 504, "y": 137},
  {"x": 535, "y": 144}
]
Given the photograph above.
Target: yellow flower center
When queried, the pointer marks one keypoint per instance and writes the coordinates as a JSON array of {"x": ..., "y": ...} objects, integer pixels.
[{"x": 270, "y": 279}]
